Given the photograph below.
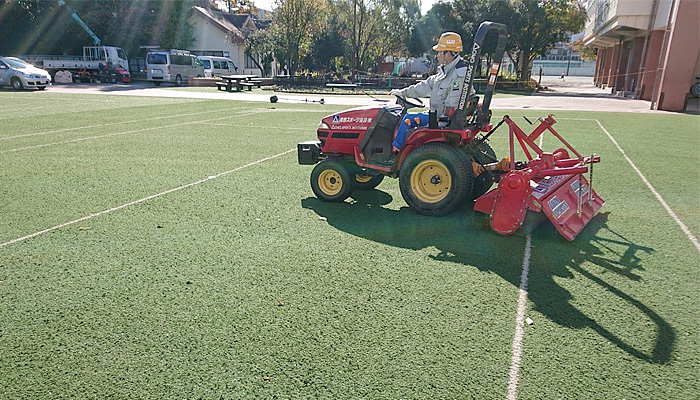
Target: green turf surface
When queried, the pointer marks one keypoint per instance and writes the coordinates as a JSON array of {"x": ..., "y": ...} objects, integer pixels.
[{"x": 246, "y": 286}]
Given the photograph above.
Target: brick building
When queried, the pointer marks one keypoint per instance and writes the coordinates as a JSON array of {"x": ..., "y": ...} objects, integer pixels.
[{"x": 648, "y": 49}]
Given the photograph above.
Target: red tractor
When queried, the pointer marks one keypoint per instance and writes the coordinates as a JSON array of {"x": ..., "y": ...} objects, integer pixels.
[{"x": 440, "y": 168}]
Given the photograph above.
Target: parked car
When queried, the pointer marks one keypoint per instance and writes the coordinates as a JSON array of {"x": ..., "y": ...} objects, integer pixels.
[
  {"x": 217, "y": 66},
  {"x": 22, "y": 75},
  {"x": 172, "y": 66}
]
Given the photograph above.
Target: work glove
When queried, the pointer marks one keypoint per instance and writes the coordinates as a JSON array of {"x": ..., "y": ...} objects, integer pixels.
[{"x": 396, "y": 92}]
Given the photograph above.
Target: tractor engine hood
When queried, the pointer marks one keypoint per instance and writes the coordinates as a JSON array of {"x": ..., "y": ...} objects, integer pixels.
[{"x": 355, "y": 119}]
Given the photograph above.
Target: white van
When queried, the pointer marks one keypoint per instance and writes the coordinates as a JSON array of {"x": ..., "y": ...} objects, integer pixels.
[
  {"x": 172, "y": 66},
  {"x": 217, "y": 66}
]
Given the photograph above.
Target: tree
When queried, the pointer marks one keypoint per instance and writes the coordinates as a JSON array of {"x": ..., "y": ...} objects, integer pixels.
[
  {"x": 261, "y": 42},
  {"x": 585, "y": 52},
  {"x": 328, "y": 46},
  {"x": 534, "y": 25},
  {"x": 44, "y": 27},
  {"x": 538, "y": 25},
  {"x": 375, "y": 28},
  {"x": 293, "y": 27}
]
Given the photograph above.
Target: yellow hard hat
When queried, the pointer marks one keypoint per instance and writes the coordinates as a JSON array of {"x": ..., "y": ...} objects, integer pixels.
[{"x": 449, "y": 41}]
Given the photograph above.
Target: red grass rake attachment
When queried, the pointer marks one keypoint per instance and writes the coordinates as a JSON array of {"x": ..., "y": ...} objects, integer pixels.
[{"x": 552, "y": 183}]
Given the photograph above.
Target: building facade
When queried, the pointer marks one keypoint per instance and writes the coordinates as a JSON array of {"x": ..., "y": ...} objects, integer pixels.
[
  {"x": 222, "y": 34},
  {"x": 648, "y": 49}
]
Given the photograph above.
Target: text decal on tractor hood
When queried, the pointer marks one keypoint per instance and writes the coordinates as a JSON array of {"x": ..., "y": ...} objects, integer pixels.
[
  {"x": 351, "y": 123},
  {"x": 351, "y": 120}
]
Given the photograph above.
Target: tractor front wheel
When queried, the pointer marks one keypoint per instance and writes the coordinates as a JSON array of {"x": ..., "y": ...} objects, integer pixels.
[
  {"x": 331, "y": 181},
  {"x": 367, "y": 182},
  {"x": 436, "y": 179}
]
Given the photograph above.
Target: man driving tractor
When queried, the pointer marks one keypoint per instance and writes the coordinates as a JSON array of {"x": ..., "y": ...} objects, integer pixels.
[{"x": 443, "y": 88}]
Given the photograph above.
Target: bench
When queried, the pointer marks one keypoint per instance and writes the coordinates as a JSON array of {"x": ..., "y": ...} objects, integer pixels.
[
  {"x": 351, "y": 86},
  {"x": 248, "y": 85},
  {"x": 223, "y": 86}
]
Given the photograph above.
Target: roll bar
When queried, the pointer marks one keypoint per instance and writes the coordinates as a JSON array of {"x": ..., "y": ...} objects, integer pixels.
[{"x": 459, "y": 120}]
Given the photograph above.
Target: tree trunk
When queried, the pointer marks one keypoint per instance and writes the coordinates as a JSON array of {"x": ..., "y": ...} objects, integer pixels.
[{"x": 524, "y": 62}]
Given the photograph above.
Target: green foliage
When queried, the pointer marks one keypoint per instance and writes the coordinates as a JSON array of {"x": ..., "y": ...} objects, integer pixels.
[
  {"x": 327, "y": 47},
  {"x": 585, "y": 52},
  {"x": 295, "y": 24},
  {"x": 534, "y": 25},
  {"x": 42, "y": 27}
]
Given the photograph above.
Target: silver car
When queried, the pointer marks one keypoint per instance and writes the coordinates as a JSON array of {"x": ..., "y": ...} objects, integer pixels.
[{"x": 22, "y": 75}]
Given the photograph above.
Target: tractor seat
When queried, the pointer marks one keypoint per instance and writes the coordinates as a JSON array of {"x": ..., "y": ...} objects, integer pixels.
[{"x": 472, "y": 104}]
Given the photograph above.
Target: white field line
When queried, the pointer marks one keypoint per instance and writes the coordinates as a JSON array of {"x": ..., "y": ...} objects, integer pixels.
[
  {"x": 670, "y": 212},
  {"x": 97, "y": 214},
  {"x": 261, "y": 127},
  {"x": 517, "y": 346},
  {"x": 126, "y": 132},
  {"x": 114, "y": 123}
]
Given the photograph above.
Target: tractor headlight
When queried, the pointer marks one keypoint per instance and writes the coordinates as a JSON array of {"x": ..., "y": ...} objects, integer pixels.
[{"x": 323, "y": 125}]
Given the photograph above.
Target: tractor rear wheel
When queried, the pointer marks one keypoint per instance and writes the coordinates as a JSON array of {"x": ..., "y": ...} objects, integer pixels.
[
  {"x": 436, "y": 179},
  {"x": 367, "y": 182},
  {"x": 482, "y": 183},
  {"x": 331, "y": 181}
]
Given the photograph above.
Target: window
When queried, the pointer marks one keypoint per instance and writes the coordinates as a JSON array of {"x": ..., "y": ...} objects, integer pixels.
[
  {"x": 217, "y": 64},
  {"x": 249, "y": 61},
  {"x": 181, "y": 60},
  {"x": 232, "y": 66},
  {"x": 207, "y": 64},
  {"x": 157, "y": 58}
]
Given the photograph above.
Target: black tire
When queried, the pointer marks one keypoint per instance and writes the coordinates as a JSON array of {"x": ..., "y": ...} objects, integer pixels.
[
  {"x": 367, "y": 182},
  {"x": 16, "y": 83},
  {"x": 156, "y": 83},
  {"x": 331, "y": 181},
  {"x": 695, "y": 90},
  {"x": 178, "y": 80},
  {"x": 436, "y": 179},
  {"x": 483, "y": 182}
]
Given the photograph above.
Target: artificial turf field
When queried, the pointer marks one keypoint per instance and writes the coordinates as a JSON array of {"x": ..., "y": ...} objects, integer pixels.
[{"x": 159, "y": 248}]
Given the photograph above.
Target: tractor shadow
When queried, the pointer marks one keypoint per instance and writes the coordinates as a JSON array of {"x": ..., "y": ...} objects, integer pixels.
[{"x": 466, "y": 238}]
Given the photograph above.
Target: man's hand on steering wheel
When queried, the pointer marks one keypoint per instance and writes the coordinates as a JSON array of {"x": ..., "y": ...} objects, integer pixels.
[{"x": 406, "y": 103}]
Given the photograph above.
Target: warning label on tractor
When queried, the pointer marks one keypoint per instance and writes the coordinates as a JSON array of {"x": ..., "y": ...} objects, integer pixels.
[
  {"x": 575, "y": 187},
  {"x": 559, "y": 207},
  {"x": 545, "y": 185}
]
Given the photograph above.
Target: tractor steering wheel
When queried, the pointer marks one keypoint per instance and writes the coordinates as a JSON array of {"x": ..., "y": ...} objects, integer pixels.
[{"x": 405, "y": 103}]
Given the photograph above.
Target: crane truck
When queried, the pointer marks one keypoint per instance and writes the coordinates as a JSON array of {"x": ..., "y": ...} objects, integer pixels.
[{"x": 106, "y": 63}]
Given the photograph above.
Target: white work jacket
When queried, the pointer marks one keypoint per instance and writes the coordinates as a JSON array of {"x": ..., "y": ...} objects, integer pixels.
[{"x": 443, "y": 88}]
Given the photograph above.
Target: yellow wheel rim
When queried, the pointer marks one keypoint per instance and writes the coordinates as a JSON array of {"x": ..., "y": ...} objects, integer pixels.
[
  {"x": 363, "y": 178},
  {"x": 431, "y": 181},
  {"x": 330, "y": 182}
]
